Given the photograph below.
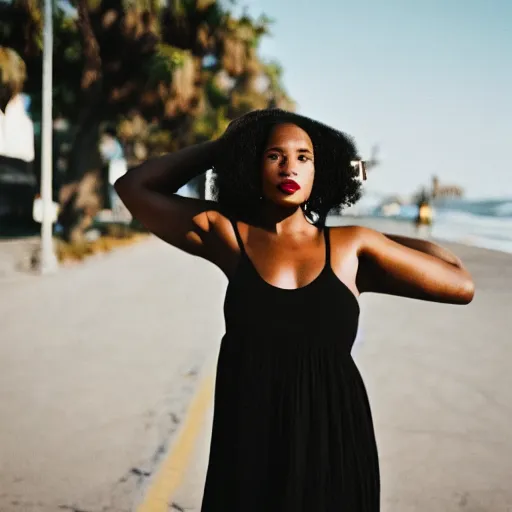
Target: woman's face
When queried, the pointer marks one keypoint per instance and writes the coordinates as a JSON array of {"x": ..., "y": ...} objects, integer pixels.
[{"x": 288, "y": 168}]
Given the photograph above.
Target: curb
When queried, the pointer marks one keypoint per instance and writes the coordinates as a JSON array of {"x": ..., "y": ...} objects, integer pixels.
[{"x": 170, "y": 473}]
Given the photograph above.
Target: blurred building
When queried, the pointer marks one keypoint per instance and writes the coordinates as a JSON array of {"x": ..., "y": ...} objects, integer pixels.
[
  {"x": 441, "y": 191},
  {"x": 18, "y": 182}
]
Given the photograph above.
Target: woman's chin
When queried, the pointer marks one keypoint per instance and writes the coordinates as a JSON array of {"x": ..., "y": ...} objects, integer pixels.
[{"x": 287, "y": 202}]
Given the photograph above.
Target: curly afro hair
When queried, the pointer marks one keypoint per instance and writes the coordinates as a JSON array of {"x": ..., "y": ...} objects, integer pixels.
[{"x": 238, "y": 184}]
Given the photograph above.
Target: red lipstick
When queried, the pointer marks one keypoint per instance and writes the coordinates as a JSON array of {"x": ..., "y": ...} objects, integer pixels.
[{"x": 288, "y": 186}]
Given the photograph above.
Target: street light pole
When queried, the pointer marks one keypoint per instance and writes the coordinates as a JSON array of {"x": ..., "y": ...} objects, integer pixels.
[{"x": 48, "y": 262}]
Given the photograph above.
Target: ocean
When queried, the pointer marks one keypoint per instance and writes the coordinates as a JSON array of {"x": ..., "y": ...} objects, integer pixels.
[{"x": 482, "y": 223}]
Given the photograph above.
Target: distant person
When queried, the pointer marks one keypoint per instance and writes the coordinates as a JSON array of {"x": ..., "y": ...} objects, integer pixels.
[
  {"x": 292, "y": 428},
  {"x": 424, "y": 217}
]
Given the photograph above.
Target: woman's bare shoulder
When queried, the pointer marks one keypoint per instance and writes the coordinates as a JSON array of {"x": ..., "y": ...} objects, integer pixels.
[
  {"x": 226, "y": 252},
  {"x": 351, "y": 234}
]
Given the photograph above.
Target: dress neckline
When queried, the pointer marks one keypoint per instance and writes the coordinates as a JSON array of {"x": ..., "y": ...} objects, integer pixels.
[{"x": 326, "y": 269}]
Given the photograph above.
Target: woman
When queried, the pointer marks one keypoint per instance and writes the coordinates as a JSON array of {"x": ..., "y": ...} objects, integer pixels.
[{"x": 292, "y": 426}]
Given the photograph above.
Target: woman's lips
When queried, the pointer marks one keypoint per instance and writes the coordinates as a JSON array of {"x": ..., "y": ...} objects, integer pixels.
[{"x": 288, "y": 186}]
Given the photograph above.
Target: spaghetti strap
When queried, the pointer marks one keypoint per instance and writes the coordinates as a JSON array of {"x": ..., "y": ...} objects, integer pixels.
[
  {"x": 327, "y": 246},
  {"x": 238, "y": 237}
]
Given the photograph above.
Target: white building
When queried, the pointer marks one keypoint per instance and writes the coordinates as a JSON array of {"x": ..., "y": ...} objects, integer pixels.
[{"x": 16, "y": 131}]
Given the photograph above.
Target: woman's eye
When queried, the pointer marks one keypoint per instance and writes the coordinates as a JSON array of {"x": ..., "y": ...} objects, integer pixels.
[
  {"x": 303, "y": 158},
  {"x": 273, "y": 156}
]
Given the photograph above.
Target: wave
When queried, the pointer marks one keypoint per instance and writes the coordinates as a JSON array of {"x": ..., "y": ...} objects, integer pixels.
[
  {"x": 482, "y": 231},
  {"x": 504, "y": 210},
  {"x": 485, "y": 208}
]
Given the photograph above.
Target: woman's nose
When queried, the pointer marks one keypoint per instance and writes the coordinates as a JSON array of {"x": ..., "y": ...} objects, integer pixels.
[{"x": 286, "y": 168}]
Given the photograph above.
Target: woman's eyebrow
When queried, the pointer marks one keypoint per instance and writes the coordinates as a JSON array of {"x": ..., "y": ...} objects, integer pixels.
[{"x": 281, "y": 150}]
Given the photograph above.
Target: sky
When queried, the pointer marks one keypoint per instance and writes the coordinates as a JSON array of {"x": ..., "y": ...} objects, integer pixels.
[{"x": 429, "y": 82}]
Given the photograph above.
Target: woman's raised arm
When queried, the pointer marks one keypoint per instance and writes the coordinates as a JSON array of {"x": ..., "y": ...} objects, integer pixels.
[{"x": 149, "y": 192}]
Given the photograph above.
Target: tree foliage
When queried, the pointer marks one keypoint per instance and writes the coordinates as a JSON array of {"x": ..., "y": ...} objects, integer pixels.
[{"x": 165, "y": 75}]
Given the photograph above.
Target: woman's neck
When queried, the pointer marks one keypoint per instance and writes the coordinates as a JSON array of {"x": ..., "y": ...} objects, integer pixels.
[{"x": 284, "y": 221}]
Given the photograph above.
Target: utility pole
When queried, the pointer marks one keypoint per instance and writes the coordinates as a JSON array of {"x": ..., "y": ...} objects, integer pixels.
[{"x": 48, "y": 262}]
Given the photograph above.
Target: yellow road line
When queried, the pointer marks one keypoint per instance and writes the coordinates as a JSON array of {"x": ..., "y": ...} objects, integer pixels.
[{"x": 170, "y": 473}]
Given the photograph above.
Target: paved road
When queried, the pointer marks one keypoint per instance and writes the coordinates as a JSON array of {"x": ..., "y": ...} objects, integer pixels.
[{"x": 97, "y": 366}]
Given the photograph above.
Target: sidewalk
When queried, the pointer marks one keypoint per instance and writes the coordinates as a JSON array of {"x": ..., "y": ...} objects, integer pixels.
[
  {"x": 14, "y": 256},
  {"x": 98, "y": 364}
]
